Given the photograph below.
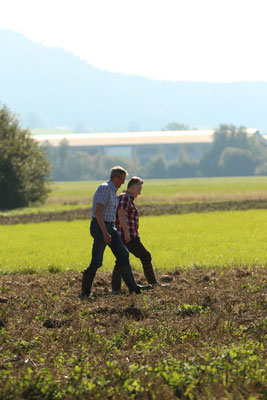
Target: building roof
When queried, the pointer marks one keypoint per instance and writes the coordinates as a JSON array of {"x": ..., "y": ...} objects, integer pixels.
[
  {"x": 132, "y": 138},
  {"x": 263, "y": 139}
]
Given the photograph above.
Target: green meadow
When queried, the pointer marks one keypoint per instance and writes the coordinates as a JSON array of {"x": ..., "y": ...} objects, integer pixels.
[
  {"x": 167, "y": 190},
  {"x": 201, "y": 338},
  {"x": 209, "y": 240},
  {"x": 70, "y": 195}
]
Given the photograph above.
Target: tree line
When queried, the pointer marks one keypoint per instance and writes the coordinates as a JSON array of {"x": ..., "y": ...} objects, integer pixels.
[
  {"x": 26, "y": 168},
  {"x": 232, "y": 153}
]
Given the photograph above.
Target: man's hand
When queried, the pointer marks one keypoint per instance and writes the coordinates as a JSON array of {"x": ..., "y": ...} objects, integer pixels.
[
  {"x": 123, "y": 221},
  {"x": 101, "y": 223},
  {"x": 107, "y": 237},
  {"x": 127, "y": 238}
]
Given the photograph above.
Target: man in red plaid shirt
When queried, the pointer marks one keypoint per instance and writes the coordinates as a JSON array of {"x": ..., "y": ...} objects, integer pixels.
[{"x": 127, "y": 223}]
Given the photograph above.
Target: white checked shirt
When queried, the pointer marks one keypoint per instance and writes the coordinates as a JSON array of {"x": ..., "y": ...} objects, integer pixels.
[{"x": 106, "y": 194}]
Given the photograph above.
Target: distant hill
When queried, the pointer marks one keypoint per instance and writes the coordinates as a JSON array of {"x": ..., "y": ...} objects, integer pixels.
[{"x": 50, "y": 87}]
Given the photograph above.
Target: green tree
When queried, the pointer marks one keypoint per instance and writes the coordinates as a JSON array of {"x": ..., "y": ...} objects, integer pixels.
[
  {"x": 59, "y": 159},
  {"x": 176, "y": 126},
  {"x": 156, "y": 167},
  {"x": 183, "y": 169},
  {"x": 236, "y": 162},
  {"x": 68, "y": 164},
  {"x": 24, "y": 169},
  {"x": 261, "y": 169},
  {"x": 229, "y": 136}
]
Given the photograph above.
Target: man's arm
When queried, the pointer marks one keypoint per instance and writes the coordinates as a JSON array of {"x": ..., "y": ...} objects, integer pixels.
[
  {"x": 123, "y": 221},
  {"x": 101, "y": 223}
]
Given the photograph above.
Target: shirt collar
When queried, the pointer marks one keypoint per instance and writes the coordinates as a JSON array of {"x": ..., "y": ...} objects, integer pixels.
[
  {"x": 112, "y": 186},
  {"x": 129, "y": 194}
]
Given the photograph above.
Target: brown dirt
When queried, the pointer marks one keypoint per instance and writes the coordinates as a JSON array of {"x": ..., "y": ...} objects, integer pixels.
[
  {"x": 151, "y": 209},
  {"x": 55, "y": 297},
  {"x": 43, "y": 316}
]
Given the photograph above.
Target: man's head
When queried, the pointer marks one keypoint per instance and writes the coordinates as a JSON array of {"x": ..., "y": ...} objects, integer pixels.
[
  {"x": 118, "y": 175},
  {"x": 134, "y": 186}
]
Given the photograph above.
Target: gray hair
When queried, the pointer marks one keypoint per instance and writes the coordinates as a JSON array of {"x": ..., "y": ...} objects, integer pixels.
[
  {"x": 117, "y": 171},
  {"x": 135, "y": 180}
]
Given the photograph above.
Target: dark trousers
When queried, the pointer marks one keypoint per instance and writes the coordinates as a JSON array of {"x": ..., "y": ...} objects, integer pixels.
[
  {"x": 117, "y": 247},
  {"x": 136, "y": 247}
]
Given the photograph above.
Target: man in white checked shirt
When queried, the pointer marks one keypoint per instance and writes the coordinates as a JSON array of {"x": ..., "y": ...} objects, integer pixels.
[{"x": 104, "y": 232}]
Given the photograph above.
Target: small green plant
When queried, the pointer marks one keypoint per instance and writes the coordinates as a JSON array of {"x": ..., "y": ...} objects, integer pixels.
[
  {"x": 54, "y": 269},
  {"x": 27, "y": 346},
  {"x": 190, "y": 309}
]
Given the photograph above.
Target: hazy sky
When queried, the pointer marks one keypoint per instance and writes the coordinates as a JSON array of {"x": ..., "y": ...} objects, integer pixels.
[{"x": 197, "y": 40}]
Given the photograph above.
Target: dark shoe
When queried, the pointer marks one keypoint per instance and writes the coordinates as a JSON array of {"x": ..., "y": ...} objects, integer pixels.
[
  {"x": 127, "y": 276},
  {"x": 116, "y": 283},
  {"x": 87, "y": 281},
  {"x": 118, "y": 292},
  {"x": 149, "y": 274},
  {"x": 162, "y": 285},
  {"x": 90, "y": 299},
  {"x": 143, "y": 287}
]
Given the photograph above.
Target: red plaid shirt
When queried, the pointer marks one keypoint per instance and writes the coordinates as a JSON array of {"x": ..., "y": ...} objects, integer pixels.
[{"x": 125, "y": 202}]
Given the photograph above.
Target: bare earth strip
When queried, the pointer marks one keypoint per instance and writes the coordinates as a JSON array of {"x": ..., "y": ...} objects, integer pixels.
[
  {"x": 145, "y": 209},
  {"x": 203, "y": 336}
]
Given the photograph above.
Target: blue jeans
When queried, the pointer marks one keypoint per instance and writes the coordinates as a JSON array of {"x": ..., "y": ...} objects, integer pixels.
[{"x": 117, "y": 247}]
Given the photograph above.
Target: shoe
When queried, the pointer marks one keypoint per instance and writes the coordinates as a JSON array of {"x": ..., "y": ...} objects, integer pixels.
[
  {"x": 149, "y": 274},
  {"x": 118, "y": 292},
  {"x": 127, "y": 276},
  {"x": 164, "y": 285},
  {"x": 143, "y": 287}
]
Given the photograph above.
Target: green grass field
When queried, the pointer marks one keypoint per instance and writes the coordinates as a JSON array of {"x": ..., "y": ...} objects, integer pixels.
[
  {"x": 69, "y": 195},
  {"x": 176, "y": 241},
  {"x": 201, "y": 338}
]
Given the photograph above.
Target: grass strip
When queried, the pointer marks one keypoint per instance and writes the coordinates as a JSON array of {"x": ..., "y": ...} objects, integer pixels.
[
  {"x": 237, "y": 238},
  {"x": 72, "y": 195}
]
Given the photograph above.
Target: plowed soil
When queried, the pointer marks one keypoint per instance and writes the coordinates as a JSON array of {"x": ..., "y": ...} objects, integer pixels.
[{"x": 53, "y": 341}]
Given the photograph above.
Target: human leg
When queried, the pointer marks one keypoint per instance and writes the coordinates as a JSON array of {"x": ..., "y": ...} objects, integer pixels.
[
  {"x": 98, "y": 248},
  {"x": 122, "y": 262},
  {"x": 116, "y": 278},
  {"x": 136, "y": 247}
]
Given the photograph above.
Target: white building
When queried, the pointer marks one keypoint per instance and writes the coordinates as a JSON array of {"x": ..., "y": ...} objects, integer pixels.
[{"x": 144, "y": 145}]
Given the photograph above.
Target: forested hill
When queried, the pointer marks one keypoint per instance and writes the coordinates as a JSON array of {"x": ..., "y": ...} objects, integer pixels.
[{"x": 50, "y": 87}]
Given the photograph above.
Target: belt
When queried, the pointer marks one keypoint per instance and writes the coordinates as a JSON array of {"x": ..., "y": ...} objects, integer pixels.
[{"x": 107, "y": 222}]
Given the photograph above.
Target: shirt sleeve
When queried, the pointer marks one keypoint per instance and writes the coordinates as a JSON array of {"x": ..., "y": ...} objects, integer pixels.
[
  {"x": 123, "y": 203},
  {"x": 102, "y": 195}
]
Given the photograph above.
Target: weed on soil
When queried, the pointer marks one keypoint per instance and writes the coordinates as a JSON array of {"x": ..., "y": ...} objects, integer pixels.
[{"x": 201, "y": 338}]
